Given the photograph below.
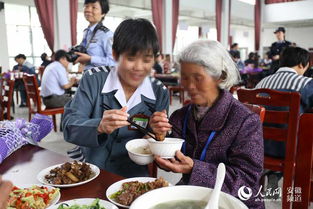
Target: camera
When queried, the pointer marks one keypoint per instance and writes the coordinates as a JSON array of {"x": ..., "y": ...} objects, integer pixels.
[{"x": 71, "y": 56}]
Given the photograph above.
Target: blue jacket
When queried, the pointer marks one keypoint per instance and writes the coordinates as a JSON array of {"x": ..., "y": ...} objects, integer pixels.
[{"x": 83, "y": 114}]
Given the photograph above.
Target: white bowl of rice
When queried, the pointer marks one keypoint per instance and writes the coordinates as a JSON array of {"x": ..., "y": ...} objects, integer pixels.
[
  {"x": 139, "y": 151},
  {"x": 166, "y": 148}
]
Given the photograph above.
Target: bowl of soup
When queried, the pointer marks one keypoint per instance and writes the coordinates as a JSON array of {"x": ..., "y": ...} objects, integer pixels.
[
  {"x": 166, "y": 148},
  {"x": 139, "y": 151},
  {"x": 184, "y": 197}
]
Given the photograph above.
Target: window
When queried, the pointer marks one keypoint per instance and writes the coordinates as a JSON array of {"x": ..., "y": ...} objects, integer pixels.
[
  {"x": 24, "y": 34},
  {"x": 185, "y": 37}
]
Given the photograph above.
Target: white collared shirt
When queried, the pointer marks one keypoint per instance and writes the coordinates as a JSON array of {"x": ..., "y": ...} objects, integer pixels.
[{"x": 113, "y": 83}]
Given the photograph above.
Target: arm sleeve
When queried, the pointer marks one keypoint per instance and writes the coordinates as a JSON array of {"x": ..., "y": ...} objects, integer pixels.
[
  {"x": 79, "y": 126},
  {"x": 245, "y": 160},
  {"x": 163, "y": 102},
  {"x": 107, "y": 50},
  {"x": 307, "y": 96},
  {"x": 62, "y": 77},
  {"x": 271, "y": 52}
]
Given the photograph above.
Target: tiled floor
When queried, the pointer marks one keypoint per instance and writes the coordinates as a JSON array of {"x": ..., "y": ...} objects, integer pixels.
[{"x": 55, "y": 142}]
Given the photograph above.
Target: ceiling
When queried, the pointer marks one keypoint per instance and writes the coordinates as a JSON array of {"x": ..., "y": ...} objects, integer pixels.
[{"x": 196, "y": 13}]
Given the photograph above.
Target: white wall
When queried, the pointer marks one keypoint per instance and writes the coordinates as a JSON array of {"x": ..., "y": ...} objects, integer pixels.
[
  {"x": 242, "y": 10},
  {"x": 289, "y": 11},
  {"x": 21, "y": 2},
  {"x": 208, "y": 6},
  {"x": 303, "y": 37},
  {"x": 4, "y": 54},
  {"x": 244, "y": 36}
]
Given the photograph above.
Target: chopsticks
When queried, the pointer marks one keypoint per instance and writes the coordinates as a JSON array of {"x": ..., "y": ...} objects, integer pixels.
[{"x": 143, "y": 130}]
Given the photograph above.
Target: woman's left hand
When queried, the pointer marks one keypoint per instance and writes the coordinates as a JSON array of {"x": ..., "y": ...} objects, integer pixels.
[
  {"x": 82, "y": 58},
  {"x": 182, "y": 164}
]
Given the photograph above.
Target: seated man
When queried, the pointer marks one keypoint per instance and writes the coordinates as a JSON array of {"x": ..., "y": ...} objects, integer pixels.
[
  {"x": 55, "y": 80},
  {"x": 294, "y": 61},
  {"x": 25, "y": 67},
  {"x": 157, "y": 64}
]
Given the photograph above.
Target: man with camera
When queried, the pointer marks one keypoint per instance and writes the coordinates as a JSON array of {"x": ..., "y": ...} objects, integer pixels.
[
  {"x": 96, "y": 47},
  {"x": 55, "y": 81}
]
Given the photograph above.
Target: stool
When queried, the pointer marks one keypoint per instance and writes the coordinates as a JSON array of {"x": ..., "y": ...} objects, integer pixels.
[{"x": 180, "y": 89}]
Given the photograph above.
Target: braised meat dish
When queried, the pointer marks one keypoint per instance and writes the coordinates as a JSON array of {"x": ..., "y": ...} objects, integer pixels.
[
  {"x": 133, "y": 189},
  {"x": 69, "y": 173}
]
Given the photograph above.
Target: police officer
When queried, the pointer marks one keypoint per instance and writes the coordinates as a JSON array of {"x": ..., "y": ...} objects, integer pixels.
[
  {"x": 277, "y": 47},
  {"x": 97, "y": 38},
  {"x": 130, "y": 93}
]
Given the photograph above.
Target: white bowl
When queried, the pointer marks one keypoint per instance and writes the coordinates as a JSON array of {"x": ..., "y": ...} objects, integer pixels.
[
  {"x": 166, "y": 148},
  {"x": 134, "y": 154},
  {"x": 179, "y": 193}
]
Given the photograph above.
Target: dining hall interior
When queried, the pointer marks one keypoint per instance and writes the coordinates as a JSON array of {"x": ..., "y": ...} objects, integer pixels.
[{"x": 203, "y": 102}]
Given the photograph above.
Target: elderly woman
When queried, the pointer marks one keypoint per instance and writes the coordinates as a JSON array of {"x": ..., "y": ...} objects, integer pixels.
[{"x": 216, "y": 127}]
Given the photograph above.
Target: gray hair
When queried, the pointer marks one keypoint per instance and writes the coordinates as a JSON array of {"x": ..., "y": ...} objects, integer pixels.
[{"x": 214, "y": 58}]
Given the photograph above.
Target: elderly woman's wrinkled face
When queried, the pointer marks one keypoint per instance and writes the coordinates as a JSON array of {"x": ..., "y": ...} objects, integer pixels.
[{"x": 201, "y": 87}]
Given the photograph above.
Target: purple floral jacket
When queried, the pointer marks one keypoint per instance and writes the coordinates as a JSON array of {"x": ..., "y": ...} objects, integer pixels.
[{"x": 238, "y": 143}]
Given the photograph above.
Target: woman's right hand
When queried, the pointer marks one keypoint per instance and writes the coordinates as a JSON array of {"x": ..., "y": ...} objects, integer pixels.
[
  {"x": 159, "y": 123},
  {"x": 113, "y": 119}
]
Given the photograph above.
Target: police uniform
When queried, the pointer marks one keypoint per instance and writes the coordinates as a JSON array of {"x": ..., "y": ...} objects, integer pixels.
[
  {"x": 276, "y": 49},
  {"x": 83, "y": 114},
  {"x": 99, "y": 46}
]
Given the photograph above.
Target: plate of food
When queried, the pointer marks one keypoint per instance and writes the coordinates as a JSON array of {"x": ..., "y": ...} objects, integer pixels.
[
  {"x": 33, "y": 196},
  {"x": 68, "y": 174},
  {"x": 124, "y": 192},
  {"x": 84, "y": 203}
]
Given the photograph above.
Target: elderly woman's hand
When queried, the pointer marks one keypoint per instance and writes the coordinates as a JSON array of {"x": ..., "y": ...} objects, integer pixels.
[
  {"x": 5, "y": 189},
  {"x": 159, "y": 123},
  {"x": 182, "y": 164},
  {"x": 113, "y": 119}
]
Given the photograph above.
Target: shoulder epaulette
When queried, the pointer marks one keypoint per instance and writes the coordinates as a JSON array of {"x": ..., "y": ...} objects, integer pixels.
[
  {"x": 98, "y": 69},
  {"x": 104, "y": 29}
]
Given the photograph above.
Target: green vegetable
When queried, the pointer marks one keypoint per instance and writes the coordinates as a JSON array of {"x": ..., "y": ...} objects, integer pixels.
[
  {"x": 94, "y": 205},
  {"x": 116, "y": 194}
]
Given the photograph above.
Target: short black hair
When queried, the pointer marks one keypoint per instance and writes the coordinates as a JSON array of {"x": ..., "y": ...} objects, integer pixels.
[
  {"x": 234, "y": 45},
  {"x": 103, "y": 3},
  {"x": 293, "y": 56},
  {"x": 135, "y": 35},
  {"x": 60, "y": 54},
  {"x": 20, "y": 56},
  {"x": 43, "y": 56}
]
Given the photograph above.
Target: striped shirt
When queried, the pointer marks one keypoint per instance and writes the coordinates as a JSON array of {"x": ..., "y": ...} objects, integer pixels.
[{"x": 284, "y": 79}]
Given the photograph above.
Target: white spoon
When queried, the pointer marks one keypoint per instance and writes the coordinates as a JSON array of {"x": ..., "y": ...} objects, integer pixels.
[{"x": 214, "y": 198}]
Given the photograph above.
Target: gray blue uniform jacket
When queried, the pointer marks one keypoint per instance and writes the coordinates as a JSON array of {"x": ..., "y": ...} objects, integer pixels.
[
  {"x": 83, "y": 114},
  {"x": 100, "y": 46}
]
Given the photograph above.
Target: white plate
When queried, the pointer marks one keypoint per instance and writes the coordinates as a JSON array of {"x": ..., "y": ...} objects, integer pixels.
[
  {"x": 53, "y": 202},
  {"x": 41, "y": 176},
  {"x": 86, "y": 201},
  {"x": 118, "y": 185}
]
